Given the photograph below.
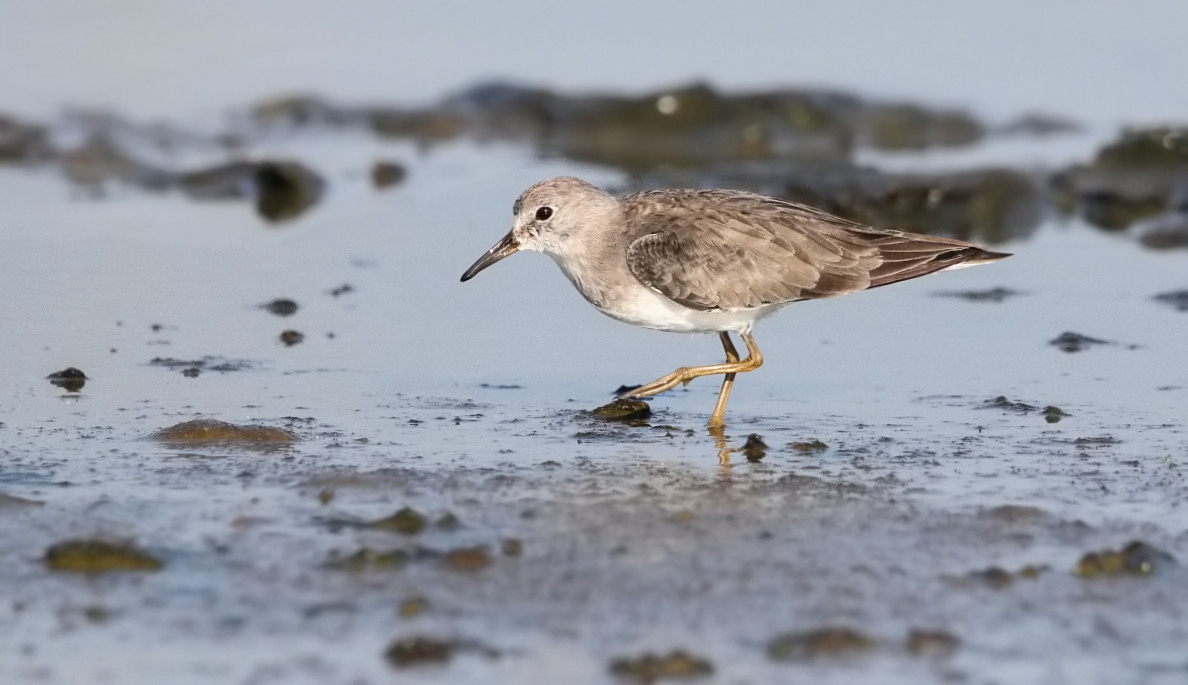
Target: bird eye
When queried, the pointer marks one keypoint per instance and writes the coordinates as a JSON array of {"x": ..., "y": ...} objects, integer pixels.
[{"x": 544, "y": 213}]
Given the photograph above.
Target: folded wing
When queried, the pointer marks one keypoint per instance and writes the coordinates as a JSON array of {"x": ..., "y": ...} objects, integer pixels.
[{"x": 729, "y": 250}]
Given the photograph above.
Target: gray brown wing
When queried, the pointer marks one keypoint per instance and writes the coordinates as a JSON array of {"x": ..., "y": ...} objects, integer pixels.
[{"x": 731, "y": 250}]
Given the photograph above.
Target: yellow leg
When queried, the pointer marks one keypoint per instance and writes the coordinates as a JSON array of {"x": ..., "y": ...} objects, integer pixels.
[
  {"x": 718, "y": 418},
  {"x": 687, "y": 373}
]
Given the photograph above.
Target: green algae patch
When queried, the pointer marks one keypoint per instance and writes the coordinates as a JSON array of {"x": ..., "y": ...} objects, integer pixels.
[
  {"x": 407, "y": 521},
  {"x": 370, "y": 559},
  {"x": 1135, "y": 559},
  {"x": 824, "y": 642},
  {"x": 809, "y": 446},
  {"x": 419, "y": 651},
  {"x": 98, "y": 556},
  {"x": 649, "y": 668},
  {"x": 211, "y": 432}
]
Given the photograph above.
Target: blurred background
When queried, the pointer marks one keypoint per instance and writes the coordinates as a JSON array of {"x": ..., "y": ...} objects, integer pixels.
[{"x": 1096, "y": 61}]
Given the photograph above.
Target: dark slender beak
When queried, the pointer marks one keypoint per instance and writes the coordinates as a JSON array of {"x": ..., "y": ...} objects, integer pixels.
[{"x": 504, "y": 248}]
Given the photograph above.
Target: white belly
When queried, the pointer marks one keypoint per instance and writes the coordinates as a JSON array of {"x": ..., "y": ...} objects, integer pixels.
[{"x": 642, "y": 306}]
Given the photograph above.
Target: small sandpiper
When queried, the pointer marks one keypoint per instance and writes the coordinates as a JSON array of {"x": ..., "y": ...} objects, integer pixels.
[{"x": 703, "y": 261}]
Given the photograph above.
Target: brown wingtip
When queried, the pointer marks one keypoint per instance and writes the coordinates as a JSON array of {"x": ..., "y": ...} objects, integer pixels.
[{"x": 981, "y": 256}]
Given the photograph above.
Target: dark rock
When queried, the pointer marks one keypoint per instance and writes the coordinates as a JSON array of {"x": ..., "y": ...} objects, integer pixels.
[
  {"x": 285, "y": 190},
  {"x": 1054, "y": 414},
  {"x": 754, "y": 449},
  {"x": 1001, "y": 402},
  {"x": 281, "y": 307},
  {"x": 1075, "y": 342},
  {"x": 282, "y": 190},
  {"x": 633, "y": 412},
  {"x": 807, "y": 446},
  {"x": 696, "y": 126},
  {"x": 419, "y": 651},
  {"x": 1134, "y": 178},
  {"x": 69, "y": 379},
  {"x": 1176, "y": 298}
]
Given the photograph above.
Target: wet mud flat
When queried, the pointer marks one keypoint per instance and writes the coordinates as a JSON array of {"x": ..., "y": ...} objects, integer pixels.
[
  {"x": 472, "y": 543},
  {"x": 396, "y": 476}
]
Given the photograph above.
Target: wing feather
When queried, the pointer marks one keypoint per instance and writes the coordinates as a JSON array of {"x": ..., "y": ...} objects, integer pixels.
[{"x": 729, "y": 250}]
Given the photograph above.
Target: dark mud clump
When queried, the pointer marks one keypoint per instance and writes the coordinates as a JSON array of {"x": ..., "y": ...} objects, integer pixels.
[
  {"x": 467, "y": 559},
  {"x": 1013, "y": 513},
  {"x": 995, "y": 577},
  {"x": 1176, "y": 298},
  {"x": 282, "y": 306},
  {"x": 291, "y": 337},
  {"x": 822, "y": 643},
  {"x": 98, "y": 556},
  {"x": 284, "y": 190},
  {"x": 809, "y": 446},
  {"x": 1005, "y": 404},
  {"x": 419, "y": 651},
  {"x": 406, "y": 521},
  {"x": 212, "y": 432},
  {"x": 69, "y": 379},
  {"x": 192, "y": 367},
  {"x": 368, "y": 559},
  {"x": 1053, "y": 414},
  {"x": 387, "y": 174},
  {"x": 1075, "y": 342},
  {"x": 631, "y": 412},
  {"x": 650, "y": 668},
  {"x": 1136, "y": 559},
  {"x": 754, "y": 449},
  {"x": 994, "y": 295}
]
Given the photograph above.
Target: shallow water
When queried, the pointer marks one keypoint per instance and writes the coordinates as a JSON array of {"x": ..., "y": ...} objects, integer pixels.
[{"x": 413, "y": 389}]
